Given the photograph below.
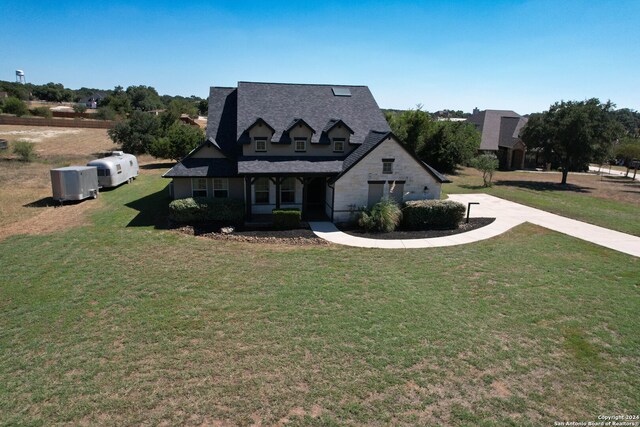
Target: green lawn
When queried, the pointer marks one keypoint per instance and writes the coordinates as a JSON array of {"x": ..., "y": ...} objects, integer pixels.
[
  {"x": 574, "y": 201},
  {"x": 119, "y": 323}
]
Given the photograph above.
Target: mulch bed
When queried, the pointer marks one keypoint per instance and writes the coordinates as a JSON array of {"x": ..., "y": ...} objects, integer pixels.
[
  {"x": 473, "y": 224},
  {"x": 298, "y": 236},
  {"x": 304, "y": 236}
]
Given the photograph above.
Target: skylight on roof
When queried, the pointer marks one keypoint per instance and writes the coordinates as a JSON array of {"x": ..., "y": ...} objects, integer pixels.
[{"x": 341, "y": 91}]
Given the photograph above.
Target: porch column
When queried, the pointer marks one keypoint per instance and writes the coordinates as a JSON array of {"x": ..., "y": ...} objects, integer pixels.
[
  {"x": 247, "y": 197},
  {"x": 305, "y": 192},
  {"x": 278, "y": 192}
]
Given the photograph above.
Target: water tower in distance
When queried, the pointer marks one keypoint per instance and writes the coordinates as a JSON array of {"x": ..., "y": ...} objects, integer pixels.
[{"x": 20, "y": 77}]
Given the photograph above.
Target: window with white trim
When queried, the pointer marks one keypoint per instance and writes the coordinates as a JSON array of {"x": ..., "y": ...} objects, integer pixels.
[
  {"x": 288, "y": 190},
  {"x": 300, "y": 144},
  {"x": 199, "y": 187},
  {"x": 387, "y": 166},
  {"x": 338, "y": 145},
  {"x": 261, "y": 190},
  {"x": 220, "y": 188},
  {"x": 261, "y": 144}
]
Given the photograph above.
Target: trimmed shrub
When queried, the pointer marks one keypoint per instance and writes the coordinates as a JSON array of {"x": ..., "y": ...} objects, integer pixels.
[
  {"x": 15, "y": 106},
  {"x": 24, "y": 149},
  {"x": 200, "y": 209},
  {"x": 286, "y": 219},
  {"x": 384, "y": 216},
  {"x": 41, "y": 112},
  {"x": 432, "y": 214}
]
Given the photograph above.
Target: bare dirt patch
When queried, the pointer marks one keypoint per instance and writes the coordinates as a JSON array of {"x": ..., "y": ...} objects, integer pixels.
[
  {"x": 50, "y": 219},
  {"x": 602, "y": 187},
  {"x": 61, "y": 143},
  {"x": 25, "y": 188}
]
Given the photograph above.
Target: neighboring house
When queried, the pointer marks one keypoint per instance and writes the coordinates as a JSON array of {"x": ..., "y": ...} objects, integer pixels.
[
  {"x": 93, "y": 100},
  {"x": 501, "y": 135},
  {"x": 327, "y": 150}
]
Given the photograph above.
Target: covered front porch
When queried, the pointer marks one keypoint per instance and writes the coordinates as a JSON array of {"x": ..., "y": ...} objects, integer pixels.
[{"x": 263, "y": 194}]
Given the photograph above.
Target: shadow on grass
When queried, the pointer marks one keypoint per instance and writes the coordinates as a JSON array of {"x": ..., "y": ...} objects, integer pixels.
[
  {"x": 473, "y": 187},
  {"x": 46, "y": 202},
  {"x": 153, "y": 166},
  {"x": 153, "y": 210},
  {"x": 544, "y": 186},
  {"x": 42, "y": 203}
]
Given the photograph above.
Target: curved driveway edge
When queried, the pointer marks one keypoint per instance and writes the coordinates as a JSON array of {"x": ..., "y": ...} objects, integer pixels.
[{"x": 508, "y": 215}]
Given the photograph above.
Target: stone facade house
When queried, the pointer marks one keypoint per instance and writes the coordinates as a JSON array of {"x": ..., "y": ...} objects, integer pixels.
[
  {"x": 324, "y": 149},
  {"x": 500, "y": 131}
]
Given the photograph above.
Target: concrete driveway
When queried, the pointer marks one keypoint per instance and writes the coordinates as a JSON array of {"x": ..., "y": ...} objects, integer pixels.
[{"x": 508, "y": 215}]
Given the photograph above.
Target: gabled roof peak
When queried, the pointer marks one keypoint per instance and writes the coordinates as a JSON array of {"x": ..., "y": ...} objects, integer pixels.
[
  {"x": 298, "y": 121},
  {"x": 336, "y": 122}
]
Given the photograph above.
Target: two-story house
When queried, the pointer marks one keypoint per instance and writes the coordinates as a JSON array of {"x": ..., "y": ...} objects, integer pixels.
[{"x": 325, "y": 149}]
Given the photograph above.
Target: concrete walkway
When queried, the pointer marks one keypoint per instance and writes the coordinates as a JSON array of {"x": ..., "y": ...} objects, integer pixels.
[
  {"x": 606, "y": 171},
  {"x": 508, "y": 215}
]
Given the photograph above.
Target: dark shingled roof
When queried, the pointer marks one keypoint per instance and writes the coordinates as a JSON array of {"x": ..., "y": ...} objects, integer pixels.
[
  {"x": 373, "y": 139},
  {"x": 273, "y": 165},
  {"x": 499, "y": 128},
  {"x": 221, "y": 122},
  {"x": 201, "y": 168},
  {"x": 278, "y": 104}
]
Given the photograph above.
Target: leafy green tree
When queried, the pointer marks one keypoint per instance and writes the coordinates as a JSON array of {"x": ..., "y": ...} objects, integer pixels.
[
  {"x": 178, "y": 141},
  {"x": 16, "y": 90},
  {"x": 203, "y": 107},
  {"x": 106, "y": 113},
  {"x": 443, "y": 145},
  {"x": 573, "y": 131},
  {"x": 118, "y": 101},
  {"x": 487, "y": 164},
  {"x": 628, "y": 150},
  {"x": 79, "y": 108},
  {"x": 178, "y": 107},
  {"x": 412, "y": 127},
  {"x": 144, "y": 98},
  {"x": 52, "y": 92},
  {"x": 15, "y": 106},
  {"x": 136, "y": 134},
  {"x": 41, "y": 112},
  {"x": 452, "y": 144},
  {"x": 630, "y": 120}
]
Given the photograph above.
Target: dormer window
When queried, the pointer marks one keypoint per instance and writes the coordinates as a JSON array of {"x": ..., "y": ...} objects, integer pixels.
[
  {"x": 338, "y": 145},
  {"x": 301, "y": 144},
  {"x": 387, "y": 166},
  {"x": 261, "y": 144}
]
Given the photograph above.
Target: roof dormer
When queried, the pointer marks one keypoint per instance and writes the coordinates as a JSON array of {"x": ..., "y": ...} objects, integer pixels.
[
  {"x": 258, "y": 129},
  {"x": 335, "y": 129},
  {"x": 298, "y": 123}
]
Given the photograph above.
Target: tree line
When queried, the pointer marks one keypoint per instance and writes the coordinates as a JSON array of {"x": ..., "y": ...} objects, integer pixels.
[
  {"x": 576, "y": 133},
  {"x": 569, "y": 135},
  {"x": 118, "y": 102}
]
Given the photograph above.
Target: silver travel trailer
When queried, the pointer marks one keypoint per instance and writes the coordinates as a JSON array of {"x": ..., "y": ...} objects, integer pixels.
[
  {"x": 116, "y": 169},
  {"x": 74, "y": 183}
]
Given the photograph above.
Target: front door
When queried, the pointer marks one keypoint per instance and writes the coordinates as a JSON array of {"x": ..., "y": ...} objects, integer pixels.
[{"x": 316, "y": 194}]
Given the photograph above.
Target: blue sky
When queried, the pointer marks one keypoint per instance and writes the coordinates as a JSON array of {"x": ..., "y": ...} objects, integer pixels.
[{"x": 520, "y": 55}]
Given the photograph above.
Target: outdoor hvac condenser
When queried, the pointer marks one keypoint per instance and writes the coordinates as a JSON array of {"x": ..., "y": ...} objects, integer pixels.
[{"x": 74, "y": 183}]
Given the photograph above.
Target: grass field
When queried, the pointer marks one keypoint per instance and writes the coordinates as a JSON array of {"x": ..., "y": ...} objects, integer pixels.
[
  {"x": 107, "y": 319},
  {"x": 611, "y": 202},
  {"x": 115, "y": 322}
]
